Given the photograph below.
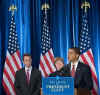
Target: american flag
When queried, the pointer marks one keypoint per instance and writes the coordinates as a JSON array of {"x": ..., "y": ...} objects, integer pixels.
[
  {"x": 12, "y": 62},
  {"x": 46, "y": 65},
  {"x": 86, "y": 50}
]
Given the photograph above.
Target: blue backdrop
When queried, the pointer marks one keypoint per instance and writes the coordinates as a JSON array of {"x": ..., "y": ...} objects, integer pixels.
[{"x": 64, "y": 25}]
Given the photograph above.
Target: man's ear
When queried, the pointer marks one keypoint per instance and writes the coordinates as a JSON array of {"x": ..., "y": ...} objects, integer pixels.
[
  {"x": 77, "y": 55},
  {"x": 31, "y": 59}
]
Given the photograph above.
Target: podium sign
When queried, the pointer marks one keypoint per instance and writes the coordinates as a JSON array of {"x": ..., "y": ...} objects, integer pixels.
[{"x": 58, "y": 86}]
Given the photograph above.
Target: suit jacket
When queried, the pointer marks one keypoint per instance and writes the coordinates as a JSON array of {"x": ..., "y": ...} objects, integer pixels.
[
  {"x": 21, "y": 86},
  {"x": 83, "y": 77}
]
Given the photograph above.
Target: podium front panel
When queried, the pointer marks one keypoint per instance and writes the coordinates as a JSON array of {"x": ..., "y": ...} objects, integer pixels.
[{"x": 58, "y": 86}]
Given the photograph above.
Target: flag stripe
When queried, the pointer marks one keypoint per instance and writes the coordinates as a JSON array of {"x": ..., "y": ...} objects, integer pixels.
[
  {"x": 43, "y": 68},
  {"x": 9, "y": 71},
  {"x": 51, "y": 56},
  {"x": 94, "y": 76},
  {"x": 11, "y": 61},
  {"x": 91, "y": 57},
  {"x": 94, "y": 92},
  {"x": 5, "y": 86},
  {"x": 42, "y": 72},
  {"x": 9, "y": 79},
  {"x": 10, "y": 66},
  {"x": 92, "y": 71},
  {"x": 48, "y": 64},
  {"x": 88, "y": 61},
  {"x": 95, "y": 86},
  {"x": 51, "y": 51},
  {"x": 17, "y": 57},
  {"x": 15, "y": 62},
  {"x": 45, "y": 65},
  {"x": 8, "y": 85}
]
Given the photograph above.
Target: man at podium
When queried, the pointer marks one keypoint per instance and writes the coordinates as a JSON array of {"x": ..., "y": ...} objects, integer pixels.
[{"x": 78, "y": 70}]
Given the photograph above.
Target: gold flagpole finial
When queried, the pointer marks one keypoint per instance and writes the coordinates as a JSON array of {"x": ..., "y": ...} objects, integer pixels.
[
  {"x": 85, "y": 5},
  {"x": 45, "y": 6},
  {"x": 12, "y": 8}
]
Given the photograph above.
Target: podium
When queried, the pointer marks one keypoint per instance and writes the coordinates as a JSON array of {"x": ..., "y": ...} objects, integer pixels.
[
  {"x": 58, "y": 86},
  {"x": 61, "y": 86},
  {"x": 81, "y": 91}
]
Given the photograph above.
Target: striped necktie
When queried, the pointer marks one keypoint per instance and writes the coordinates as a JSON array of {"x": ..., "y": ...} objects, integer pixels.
[
  {"x": 73, "y": 71},
  {"x": 28, "y": 76}
]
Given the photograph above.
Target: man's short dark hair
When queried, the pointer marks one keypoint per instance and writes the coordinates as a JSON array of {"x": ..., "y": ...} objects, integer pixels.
[
  {"x": 76, "y": 49},
  {"x": 26, "y": 54}
]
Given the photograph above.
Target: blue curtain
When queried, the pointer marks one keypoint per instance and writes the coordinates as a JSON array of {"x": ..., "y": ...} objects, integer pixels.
[
  {"x": 95, "y": 18},
  {"x": 0, "y": 59},
  {"x": 61, "y": 27},
  {"x": 64, "y": 22},
  {"x": 65, "y": 19},
  {"x": 23, "y": 25},
  {"x": 3, "y": 37},
  {"x": 35, "y": 31}
]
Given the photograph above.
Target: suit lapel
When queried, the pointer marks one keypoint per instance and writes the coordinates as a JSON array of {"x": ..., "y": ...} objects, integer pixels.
[
  {"x": 24, "y": 77},
  {"x": 31, "y": 78},
  {"x": 69, "y": 68},
  {"x": 78, "y": 70}
]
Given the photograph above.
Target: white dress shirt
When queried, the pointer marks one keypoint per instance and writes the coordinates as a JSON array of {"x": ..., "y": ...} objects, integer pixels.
[
  {"x": 75, "y": 65},
  {"x": 30, "y": 69}
]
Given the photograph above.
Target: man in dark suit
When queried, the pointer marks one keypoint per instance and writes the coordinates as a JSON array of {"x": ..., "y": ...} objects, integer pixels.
[
  {"x": 28, "y": 79},
  {"x": 78, "y": 70}
]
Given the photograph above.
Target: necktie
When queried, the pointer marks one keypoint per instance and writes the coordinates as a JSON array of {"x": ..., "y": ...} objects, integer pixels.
[
  {"x": 73, "y": 71},
  {"x": 28, "y": 77}
]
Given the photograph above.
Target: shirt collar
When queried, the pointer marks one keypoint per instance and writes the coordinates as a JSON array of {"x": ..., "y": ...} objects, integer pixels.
[
  {"x": 75, "y": 64},
  {"x": 26, "y": 68}
]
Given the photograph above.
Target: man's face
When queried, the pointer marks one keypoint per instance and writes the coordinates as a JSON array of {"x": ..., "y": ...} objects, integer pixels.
[
  {"x": 72, "y": 56},
  {"x": 27, "y": 61},
  {"x": 59, "y": 64}
]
